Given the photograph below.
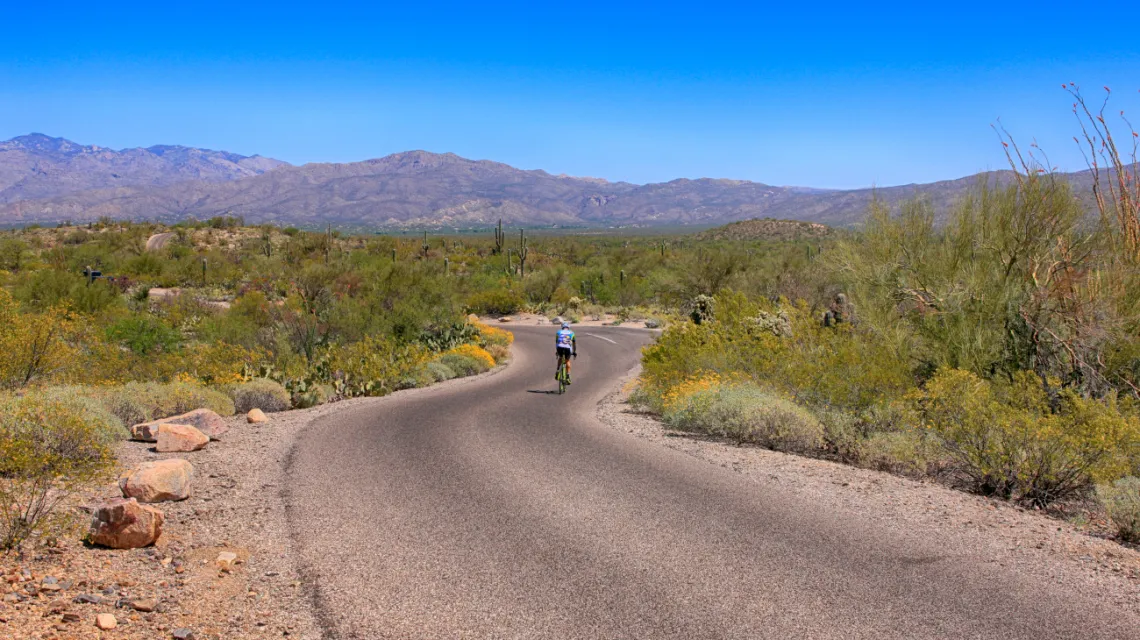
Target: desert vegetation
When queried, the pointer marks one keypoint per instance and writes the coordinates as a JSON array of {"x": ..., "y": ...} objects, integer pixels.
[
  {"x": 997, "y": 350},
  {"x": 116, "y": 329}
]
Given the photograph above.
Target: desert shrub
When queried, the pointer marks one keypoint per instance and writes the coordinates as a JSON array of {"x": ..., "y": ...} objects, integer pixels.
[
  {"x": 1026, "y": 441},
  {"x": 499, "y": 352},
  {"x": 743, "y": 412},
  {"x": 1121, "y": 502},
  {"x": 259, "y": 393},
  {"x": 439, "y": 372},
  {"x": 313, "y": 396},
  {"x": 137, "y": 402},
  {"x": 491, "y": 336},
  {"x": 49, "y": 448},
  {"x": 35, "y": 346},
  {"x": 375, "y": 365},
  {"x": 496, "y": 302},
  {"x": 144, "y": 334},
  {"x": 88, "y": 401},
  {"x": 463, "y": 365},
  {"x": 475, "y": 352},
  {"x": 908, "y": 452}
]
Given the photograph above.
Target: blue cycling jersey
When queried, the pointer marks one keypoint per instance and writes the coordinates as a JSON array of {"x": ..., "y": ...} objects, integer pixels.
[{"x": 565, "y": 338}]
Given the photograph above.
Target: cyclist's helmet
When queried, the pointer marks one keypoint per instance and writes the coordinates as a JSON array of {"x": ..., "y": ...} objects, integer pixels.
[{"x": 565, "y": 325}]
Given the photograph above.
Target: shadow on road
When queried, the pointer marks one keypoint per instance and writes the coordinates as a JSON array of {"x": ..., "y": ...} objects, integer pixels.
[{"x": 549, "y": 392}]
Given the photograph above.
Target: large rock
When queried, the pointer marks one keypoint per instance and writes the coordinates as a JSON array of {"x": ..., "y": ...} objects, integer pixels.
[
  {"x": 256, "y": 416},
  {"x": 158, "y": 481},
  {"x": 204, "y": 420},
  {"x": 179, "y": 438},
  {"x": 123, "y": 523}
]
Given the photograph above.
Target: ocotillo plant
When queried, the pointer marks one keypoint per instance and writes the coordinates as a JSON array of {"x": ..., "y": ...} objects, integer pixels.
[
  {"x": 500, "y": 239},
  {"x": 523, "y": 251}
]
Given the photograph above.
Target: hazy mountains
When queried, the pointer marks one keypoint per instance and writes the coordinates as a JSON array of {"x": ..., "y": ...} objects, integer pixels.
[
  {"x": 37, "y": 167},
  {"x": 50, "y": 179}
]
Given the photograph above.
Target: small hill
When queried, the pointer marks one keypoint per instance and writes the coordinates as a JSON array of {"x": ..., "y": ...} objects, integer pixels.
[{"x": 767, "y": 229}]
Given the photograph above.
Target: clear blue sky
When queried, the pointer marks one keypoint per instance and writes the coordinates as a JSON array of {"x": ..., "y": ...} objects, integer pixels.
[{"x": 802, "y": 93}]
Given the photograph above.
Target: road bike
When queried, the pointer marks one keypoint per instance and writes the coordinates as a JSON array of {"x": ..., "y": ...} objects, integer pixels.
[{"x": 563, "y": 374}]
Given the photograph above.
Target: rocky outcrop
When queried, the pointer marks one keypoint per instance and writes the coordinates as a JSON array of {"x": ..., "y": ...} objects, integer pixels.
[
  {"x": 158, "y": 481},
  {"x": 204, "y": 420},
  {"x": 173, "y": 438},
  {"x": 123, "y": 523}
]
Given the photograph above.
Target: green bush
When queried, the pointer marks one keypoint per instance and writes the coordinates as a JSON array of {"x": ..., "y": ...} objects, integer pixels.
[
  {"x": 137, "y": 402},
  {"x": 496, "y": 302},
  {"x": 745, "y": 412},
  {"x": 260, "y": 393},
  {"x": 462, "y": 365},
  {"x": 1121, "y": 501},
  {"x": 313, "y": 396},
  {"x": 439, "y": 371},
  {"x": 1025, "y": 441},
  {"x": 144, "y": 334},
  {"x": 50, "y": 447}
]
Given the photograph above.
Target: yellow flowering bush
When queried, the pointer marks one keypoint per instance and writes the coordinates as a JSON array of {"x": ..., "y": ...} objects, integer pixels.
[
  {"x": 491, "y": 336},
  {"x": 1025, "y": 441},
  {"x": 474, "y": 352},
  {"x": 50, "y": 446}
]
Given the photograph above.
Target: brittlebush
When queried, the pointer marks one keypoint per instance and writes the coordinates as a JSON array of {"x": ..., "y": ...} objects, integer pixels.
[{"x": 1026, "y": 440}]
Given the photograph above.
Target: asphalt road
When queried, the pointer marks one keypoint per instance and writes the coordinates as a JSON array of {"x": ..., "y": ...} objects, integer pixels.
[{"x": 495, "y": 509}]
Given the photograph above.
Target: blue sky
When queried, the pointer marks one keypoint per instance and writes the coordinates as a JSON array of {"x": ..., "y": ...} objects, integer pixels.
[{"x": 815, "y": 94}]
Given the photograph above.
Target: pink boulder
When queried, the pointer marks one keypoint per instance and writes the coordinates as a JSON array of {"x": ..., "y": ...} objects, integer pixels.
[
  {"x": 158, "y": 481},
  {"x": 179, "y": 437},
  {"x": 204, "y": 420},
  {"x": 123, "y": 523}
]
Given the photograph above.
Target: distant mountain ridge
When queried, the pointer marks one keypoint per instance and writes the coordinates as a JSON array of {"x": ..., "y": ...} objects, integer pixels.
[
  {"x": 37, "y": 166},
  {"x": 409, "y": 189}
]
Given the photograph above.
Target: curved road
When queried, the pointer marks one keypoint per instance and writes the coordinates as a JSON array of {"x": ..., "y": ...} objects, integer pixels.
[{"x": 493, "y": 509}]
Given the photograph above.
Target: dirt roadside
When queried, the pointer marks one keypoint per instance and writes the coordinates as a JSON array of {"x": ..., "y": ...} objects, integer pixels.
[
  {"x": 1029, "y": 542},
  {"x": 174, "y": 587}
]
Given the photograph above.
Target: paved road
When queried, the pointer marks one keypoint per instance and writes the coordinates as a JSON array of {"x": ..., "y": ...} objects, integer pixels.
[{"x": 494, "y": 509}]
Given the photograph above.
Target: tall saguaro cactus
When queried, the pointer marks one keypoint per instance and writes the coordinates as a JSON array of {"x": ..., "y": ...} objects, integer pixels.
[
  {"x": 523, "y": 252},
  {"x": 425, "y": 246},
  {"x": 500, "y": 239}
]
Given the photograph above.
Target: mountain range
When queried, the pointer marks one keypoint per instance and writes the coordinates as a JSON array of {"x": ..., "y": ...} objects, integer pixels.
[{"x": 44, "y": 180}]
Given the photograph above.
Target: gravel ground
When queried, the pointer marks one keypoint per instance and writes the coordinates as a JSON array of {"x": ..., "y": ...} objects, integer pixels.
[
  {"x": 237, "y": 505},
  {"x": 1029, "y": 541}
]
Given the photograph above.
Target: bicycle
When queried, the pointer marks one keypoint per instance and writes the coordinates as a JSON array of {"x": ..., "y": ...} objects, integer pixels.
[{"x": 563, "y": 374}]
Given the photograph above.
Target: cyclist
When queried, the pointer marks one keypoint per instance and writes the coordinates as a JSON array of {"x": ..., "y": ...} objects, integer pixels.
[{"x": 565, "y": 345}]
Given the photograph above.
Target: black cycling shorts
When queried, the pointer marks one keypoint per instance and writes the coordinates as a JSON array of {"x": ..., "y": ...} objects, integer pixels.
[{"x": 564, "y": 351}]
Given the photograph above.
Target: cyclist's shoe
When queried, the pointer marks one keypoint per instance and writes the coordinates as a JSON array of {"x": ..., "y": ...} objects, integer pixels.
[{"x": 568, "y": 378}]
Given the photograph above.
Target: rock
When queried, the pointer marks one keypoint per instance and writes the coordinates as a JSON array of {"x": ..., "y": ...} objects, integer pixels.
[
  {"x": 145, "y": 606},
  {"x": 226, "y": 560},
  {"x": 70, "y": 617},
  {"x": 158, "y": 481},
  {"x": 256, "y": 416},
  {"x": 106, "y": 621},
  {"x": 87, "y": 598},
  {"x": 183, "y": 634},
  {"x": 472, "y": 318},
  {"x": 123, "y": 523},
  {"x": 505, "y": 319},
  {"x": 203, "y": 420},
  {"x": 179, "y": 437}
]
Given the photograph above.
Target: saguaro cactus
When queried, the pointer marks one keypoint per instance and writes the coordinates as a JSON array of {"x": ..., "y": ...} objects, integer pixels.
[
  {"x": 500, "y": 239},
  {"x": 447, "y": 266},
  {"x": 523, "y": 252},
  {"x": 425, "y": 246}
]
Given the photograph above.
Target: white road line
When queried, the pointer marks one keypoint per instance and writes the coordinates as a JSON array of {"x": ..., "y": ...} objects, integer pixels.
[{"x": 601, "y": 338}]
